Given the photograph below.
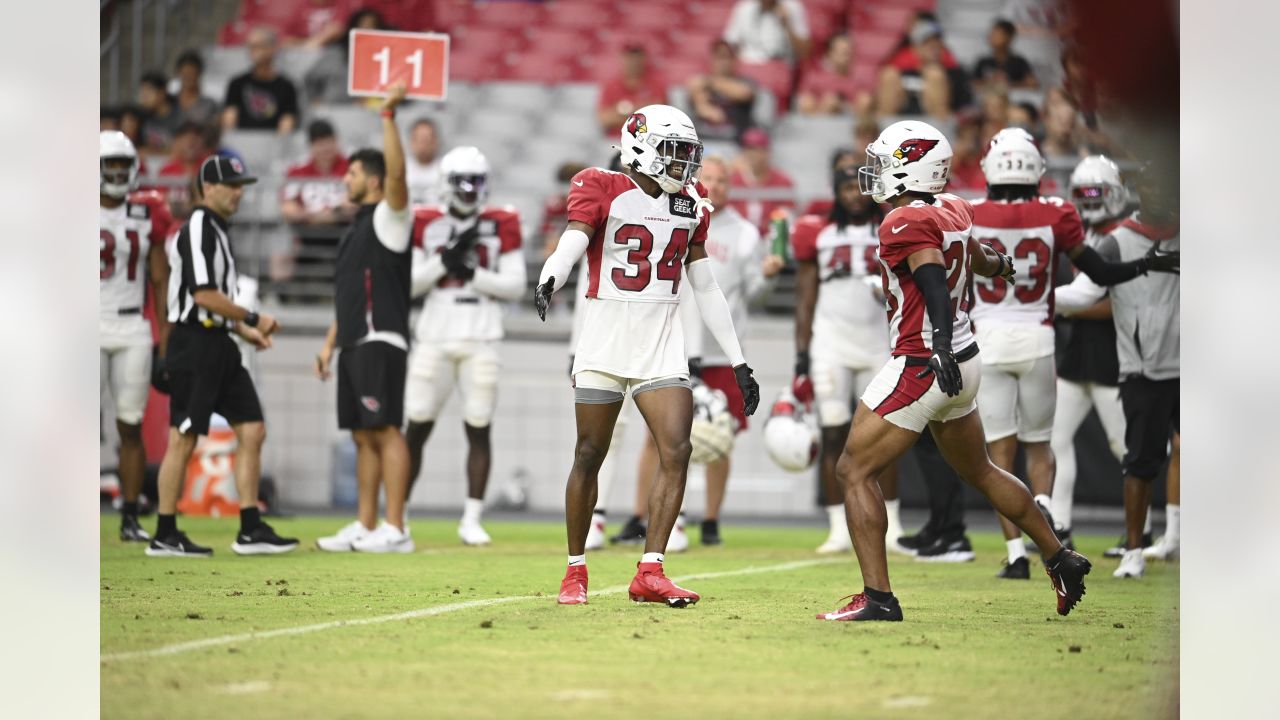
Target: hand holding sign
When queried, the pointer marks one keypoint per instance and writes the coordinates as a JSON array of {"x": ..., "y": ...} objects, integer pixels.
[{"x": 379, "y": 59}]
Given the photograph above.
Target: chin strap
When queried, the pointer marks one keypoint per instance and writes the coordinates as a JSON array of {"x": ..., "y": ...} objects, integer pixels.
[{"x": 699, "y": 203}]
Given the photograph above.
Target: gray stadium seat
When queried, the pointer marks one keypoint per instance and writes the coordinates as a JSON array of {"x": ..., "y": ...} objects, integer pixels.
[
  {"x": 570, "y": 124},
  {"x": 262, "y": 150},
  {"x": 517, "y": 96},
  {"x": 577, "y": 95},
  {"x": 261, "y": 201},
  {"x": 356, "y": 125}
]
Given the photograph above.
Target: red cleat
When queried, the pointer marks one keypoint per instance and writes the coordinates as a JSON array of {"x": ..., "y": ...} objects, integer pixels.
[
  {"x": 650, "y": 585},
  {"x": 573, "y": 589}
]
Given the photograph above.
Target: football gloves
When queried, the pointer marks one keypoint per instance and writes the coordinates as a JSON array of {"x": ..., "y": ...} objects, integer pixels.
[
  {"x": 1163, "y": 261},
  {"x": 749, "y": 387},
  {"x": 943, "y": 365},
  {"x": 542, "y": 297},
  {"x": 459, "y": 257},
  {"x": 1006, "y": 267},
  {"x": 159, "y": 371},
  {"x": 802, "y": 384}
]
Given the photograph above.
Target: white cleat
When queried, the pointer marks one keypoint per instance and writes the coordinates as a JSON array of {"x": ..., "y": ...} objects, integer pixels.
[
  {"x": 838, "y": 541},
  {"x": 1132, "y": 564},
  {"x": 1164, "y": 549},
  {"x": 596, "y": 536},
  {"x": 679, "y": 539},
  {"x": 472, "y": 534},
  {"x": 385, "y": 539},
  {"x": 341, "y": 542}
]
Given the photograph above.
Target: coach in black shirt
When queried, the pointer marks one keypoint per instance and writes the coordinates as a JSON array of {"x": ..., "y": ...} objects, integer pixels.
[
  {"x": 371, "y": 298},
  {"x": 204, "y": 367}
]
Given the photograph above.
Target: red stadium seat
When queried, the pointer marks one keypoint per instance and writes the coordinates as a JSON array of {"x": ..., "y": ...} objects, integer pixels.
[
  {"x": 583, "y": 16},
  {"x": 514, "y": 15},
  {"x": 559, "y": 41},
  {"x": 451, "y": 14},
  {"x": 490, "y": 40},
  {"x": 873, "y": 47},
  {"x": 889, "y": 18},
  {"x": 539, "y": 68},
  {"x": 774, "y": 76}
]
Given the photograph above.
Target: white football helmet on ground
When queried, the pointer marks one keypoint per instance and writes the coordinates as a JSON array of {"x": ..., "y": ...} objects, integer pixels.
[
  {"x": 116, "y": 182},
  {"x": 713, "y": 428},
  {"x": 1097, "y": 189},
  {"x": 909, "y": 156},
  {"x": 659, "y": 139},
  {"x": 1013, "y": 158},
  {"x": 791, "y": 433},
  {"x": 464, "y": 172}
]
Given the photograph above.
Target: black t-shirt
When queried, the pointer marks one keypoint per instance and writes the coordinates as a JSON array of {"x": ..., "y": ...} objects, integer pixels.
[
  {"x": 371, "y": 284},
  {"x": 961, "y": 94},
  {"x": 1015, "y": 68},
  {"x": 260, "y": 104}
]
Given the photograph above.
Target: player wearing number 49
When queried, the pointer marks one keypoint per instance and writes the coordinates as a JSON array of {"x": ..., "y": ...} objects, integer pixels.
[
  {"x": 643, "y": 231},
  {"x": 1014, "y": 321},
  {"x": 131, "y": 231}
]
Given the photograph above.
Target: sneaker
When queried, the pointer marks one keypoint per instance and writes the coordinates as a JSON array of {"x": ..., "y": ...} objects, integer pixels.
[
  {"x": 1165, "y": 549},
  {"x": 678, "y": 541},
  {"x": 651, "y": 585},
  {"x": 1066, "y": 571},
  {"x": 1122, "y": 545},
  {"x": 472, "y": 534},
  {"x": 131, "y": 530},
  {"x": 1019, "y": 569},
  {"x": 632, "y": 533},
  {"x": 386, "y": 538},
  {"x": 262, "y": 540},
  {"x": 951, "y": 550},
  {"x": 573, "y": 588},
  {"x": 177, "y": 544},
  {"x": 711, "y": 532},
  {"x": 1132, "y": 564},
  {"x": 595, "y": 535},
  {"x": 911, "y": 544},
  {"x": 838, "y": 541},
  {"x": 341, "y": 542},
  {"x": 862, "y": 607}
]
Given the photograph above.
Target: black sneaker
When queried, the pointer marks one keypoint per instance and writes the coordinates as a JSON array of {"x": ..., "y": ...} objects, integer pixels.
[
  {"x": 1118, "y": 550},
  {"x": 1019, "y": 569},
  {"x": 1067, "y": 570},
  {"x": 950, "y": 550},
  {"x": 711, "y": 532},
  {"x": 177, "y": 544},
  {"x": 862, "y": 607},
  {"x": 632, "y": 533},
  {"x": 911, "y": 544},
  {"x": 131, "y": 530},
  {"x": 262, "y": 540}
]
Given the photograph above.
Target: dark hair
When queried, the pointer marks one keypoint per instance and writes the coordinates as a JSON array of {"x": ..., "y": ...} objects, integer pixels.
[
  {"x": 372, "y": 162},
  {"x": 1031, "y": 111},
  {"x": 839, "y": 215},
  {"x": 839, "y": 153},
  {"x": 567, "y": 170},
  {"x": 1013, "y": 192},
  {"x": 189, "y": 57},
  {"x": 110, "y": 112},
  {"x": 1006, "y": 26},
  {"x": 362, "y": 13},
  {"x": 424, "y": 121},
  {"x": 320, "y": 130},
  {"x": 156, "y": 80},
  {"x": 188, "y": 126}
]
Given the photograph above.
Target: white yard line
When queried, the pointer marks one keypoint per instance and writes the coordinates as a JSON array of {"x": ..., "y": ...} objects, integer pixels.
[{"x": 179, "y": 648}]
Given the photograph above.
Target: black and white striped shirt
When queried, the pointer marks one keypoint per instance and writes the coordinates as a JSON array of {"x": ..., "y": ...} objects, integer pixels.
[{"x": 200, "y": 258}]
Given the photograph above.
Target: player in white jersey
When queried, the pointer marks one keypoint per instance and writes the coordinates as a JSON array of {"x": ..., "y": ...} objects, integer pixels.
[
  {"x": 643, "y": 231},
  {"x": 131, "y": 232},
  {"x": 468, "y": 261}
]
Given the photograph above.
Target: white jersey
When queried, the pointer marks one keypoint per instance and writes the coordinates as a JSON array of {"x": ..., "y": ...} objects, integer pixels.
[
  {"x": 734, "y": 248},
  {"x": 125, "y": 236},
  {"x": 457, "y": 309},
  {"x": 849, "y": 325},
  {"x": 635, "y": 267}
]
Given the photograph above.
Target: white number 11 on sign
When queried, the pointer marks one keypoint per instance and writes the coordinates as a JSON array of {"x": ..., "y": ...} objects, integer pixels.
[{"x": 383, "y": 58}]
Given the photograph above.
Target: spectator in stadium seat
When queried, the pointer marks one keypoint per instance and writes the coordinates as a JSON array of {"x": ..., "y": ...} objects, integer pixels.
[
  {"x": 764, "y": 30},
  {"x": 162, "y": 116},
  {"x": 317, "y": 24},
  {"x": 827, "y": 87},
  {"x": 1061, "y": 127},
  {"x": 422, "y": 166},
  {"x": 995, "y": 113},
  {"x": 261, "y": 99},
  {"x": 187, "y": 153},
  {"x": 314, "y": 201},
  {"x": 192, "y": 104},
  {"x": 968, "y": 144},
  {"x": 326, "y": 81},
  {"x": 923, "y": 77},
  {"x": 722, "y": 99},
  {"x": 1025, "y": 116},
  {"x": 109, "y": 118},
  {"x": 1003, "y": 67},
  {"x": 754, "y": 171},
  {"x": 638, "y": 85}
]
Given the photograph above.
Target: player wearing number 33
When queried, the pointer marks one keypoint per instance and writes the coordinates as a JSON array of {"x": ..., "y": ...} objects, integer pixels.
[
  {"x": 643, "y": 231},
  {"x": 928, "y": 254}
]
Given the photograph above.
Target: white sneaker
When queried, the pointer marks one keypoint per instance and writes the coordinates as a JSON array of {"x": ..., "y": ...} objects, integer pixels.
[
  {"x": 1132, "y": 564},
  {"x": 341, "y": 542},
  {"x": 595, "y": 536},
  {"x": 472, "y": 534},
  {"x": 838, "y": 541},
  {"x": 1164, "y": 549},
  {"x": 386, "y": 539},
  {"x": 679, "y": 539}
]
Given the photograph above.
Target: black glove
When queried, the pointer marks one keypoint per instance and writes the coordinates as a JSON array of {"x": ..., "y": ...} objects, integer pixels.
[
  {"x": 749, "y": 387},
  {"x": 1007, "y": 270},
  {"x": 802, "y": 363},
  {"x": 1163, "y": 261},
  {"x": 542, "y": 297},
  {"x": 943, "y": 365},
  {"x": 159, "y": 371},
  {"x": 458, "y": 256},
  {"x": 695, "y": 367}
]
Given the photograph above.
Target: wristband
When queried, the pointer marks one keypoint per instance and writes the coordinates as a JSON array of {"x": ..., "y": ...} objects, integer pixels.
[
  {"x": 251, "y": 319},
  {"x": 388, "y": 113}
]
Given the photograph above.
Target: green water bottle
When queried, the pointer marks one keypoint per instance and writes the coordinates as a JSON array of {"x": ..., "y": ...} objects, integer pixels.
[{"x": 781, "y": 232}]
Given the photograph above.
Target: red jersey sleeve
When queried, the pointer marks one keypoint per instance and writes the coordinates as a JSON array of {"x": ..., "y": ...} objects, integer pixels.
[
  {"x": 508, "y": 230},
  {"x": 804, "y": 238},
  {"x": 1068, "y": 230},
  {"x": 902, "y": 235},
  {"x": 589, "y": 198},
  {"x": 422, "y": 217},
  {"x": 157, "y": 212}
]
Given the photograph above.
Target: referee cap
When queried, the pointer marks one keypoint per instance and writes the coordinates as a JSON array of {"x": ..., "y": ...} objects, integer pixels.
[{"x": 225, "y": 170}]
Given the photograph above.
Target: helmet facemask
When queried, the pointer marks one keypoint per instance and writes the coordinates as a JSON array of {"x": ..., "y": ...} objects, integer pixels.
[
  {"x": 117, "y": 175},
  {"x": 677, "y": 162},
  {"x": 467, "y": 191},
  {"x": 870, "y": 178}
]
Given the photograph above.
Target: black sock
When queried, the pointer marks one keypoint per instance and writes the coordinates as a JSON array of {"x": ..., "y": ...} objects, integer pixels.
[
  {"x": 712, "y": 525},
  {"x": 166, "y": 525},
  {"x": 598, "y": 511},
  {"x": 129, "y": 509},
  {"x": 249, "y": 519},
  {"x": 877, "y": 595},
  {"x": 635, "y": 520}
]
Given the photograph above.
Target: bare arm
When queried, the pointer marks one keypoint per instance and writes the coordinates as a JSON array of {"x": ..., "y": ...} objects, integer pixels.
[
  {"x": 292, "y": 211},
  {"x": 1098, "y": 311},
  {"x": 158, "y": 271},
  {"x": 983, "y": 260},
  {"x": 733, "y": 88},
  {"x": 230, "y": 116},
  {"x": 806, "y": 301},
  {"x": 288, "y": 123},
  {"x": 396, "y": 191},
  {"x": 325, "y": 356}
]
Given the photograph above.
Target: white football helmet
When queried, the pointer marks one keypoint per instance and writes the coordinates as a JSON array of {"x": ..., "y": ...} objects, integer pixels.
[
  {"x": 464, "y": 174},
  {"x": 116, "y": 183},
  {"x": 791, "y": 433},
  {"x": 1013, "y": 158},
  {"x": 1097, "y": 190},
  {"x": 713, "y": 428},
  {"x": 658, "y": 139},
  {"x": 909, "y": 156}
]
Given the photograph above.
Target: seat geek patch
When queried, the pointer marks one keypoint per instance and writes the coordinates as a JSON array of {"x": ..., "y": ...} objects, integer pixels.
[{"x": 682, "y": 206}]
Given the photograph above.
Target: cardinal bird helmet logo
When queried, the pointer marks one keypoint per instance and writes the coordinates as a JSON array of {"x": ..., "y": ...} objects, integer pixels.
[
  {"x": 637, "y": 124},
  {"x": 912, "y": 150}
]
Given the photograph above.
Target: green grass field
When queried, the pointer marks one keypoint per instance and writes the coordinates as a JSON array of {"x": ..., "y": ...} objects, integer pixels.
[{"x": 481, "y": 635}]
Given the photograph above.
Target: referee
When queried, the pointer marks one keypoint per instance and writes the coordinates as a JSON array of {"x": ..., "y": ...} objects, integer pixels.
[{"x": 204, "y": 364}]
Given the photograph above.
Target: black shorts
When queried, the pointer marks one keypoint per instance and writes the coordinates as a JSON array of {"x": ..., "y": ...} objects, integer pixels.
[
  {"x": 371, "y": 386},
  {"x": 205, "y": 377},
  {"x": 1151, "y": 418}
]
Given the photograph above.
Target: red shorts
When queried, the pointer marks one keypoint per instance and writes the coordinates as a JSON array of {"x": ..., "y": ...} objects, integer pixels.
[{"x": 721, "y": 377}]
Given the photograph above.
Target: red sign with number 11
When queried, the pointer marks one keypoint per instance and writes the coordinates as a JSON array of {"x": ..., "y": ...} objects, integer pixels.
[{"x": 381, "y": 58}]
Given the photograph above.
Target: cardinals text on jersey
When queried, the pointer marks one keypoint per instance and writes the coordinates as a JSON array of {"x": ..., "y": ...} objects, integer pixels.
[
  {"x": 125, "y": 235},
  {"x": 848, "y": 321}
]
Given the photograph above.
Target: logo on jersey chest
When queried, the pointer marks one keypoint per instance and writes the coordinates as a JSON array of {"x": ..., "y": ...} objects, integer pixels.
[
  {"x": 139, "y": 211},
  {"x": 682, "y": 206}
]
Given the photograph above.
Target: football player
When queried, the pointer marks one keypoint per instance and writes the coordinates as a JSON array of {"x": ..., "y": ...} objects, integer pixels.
[
  {"x": 467, "y": 260},
  {"x": 1014, "y": 320},
  {"x": 928, "y": 254},
  {"x": 644, "y": 232},
  {"x": 131, "y": 232}
]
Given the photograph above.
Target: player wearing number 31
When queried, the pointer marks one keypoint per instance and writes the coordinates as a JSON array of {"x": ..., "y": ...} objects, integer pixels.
[
  {"x": 1014, "y": 320},
  {"x": 643, "y": 231}
]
